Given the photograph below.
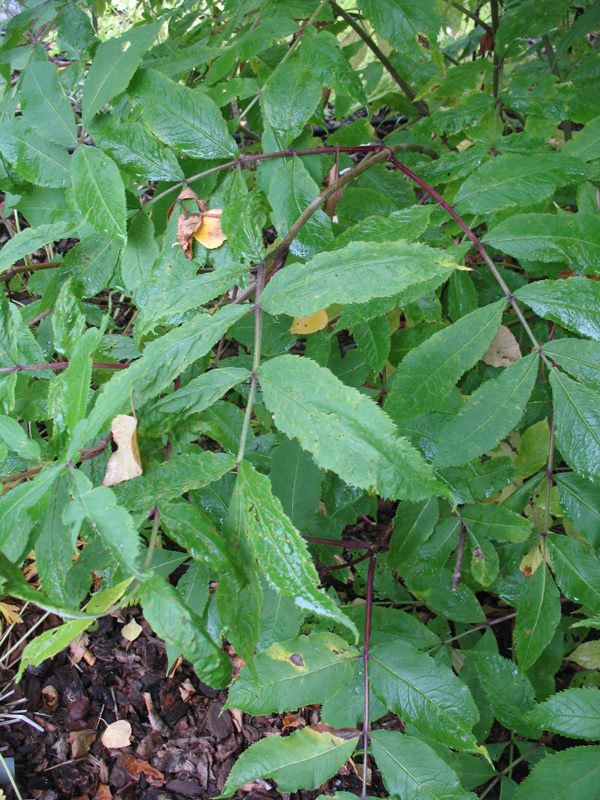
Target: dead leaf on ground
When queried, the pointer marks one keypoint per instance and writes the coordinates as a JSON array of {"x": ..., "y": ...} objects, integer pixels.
[
  {"x": 117, "y": 734},
  {"x": 50, "y": 698},
  {"x": 103, "y": 792},
  {"x": 305, "y": 325},
  {"x": 136, "y": 767},
  {"x": 504, "y": 349},
  {"x": 186, "y": 690},
  {"x": 210, "y": 233},
  {"x": 10, "y": 613},
  {"x": 131, "y": 631},
  {"x": 79, "y": 650},
  {"x": 125, "y": 463},
  {"x": 81, "y": 741}
]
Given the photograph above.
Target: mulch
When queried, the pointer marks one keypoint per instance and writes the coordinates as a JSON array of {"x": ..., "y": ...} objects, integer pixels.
[{"x": 183, "y": 744}]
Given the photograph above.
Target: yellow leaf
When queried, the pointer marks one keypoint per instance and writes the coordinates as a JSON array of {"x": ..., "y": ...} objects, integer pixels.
[
  {"x": 10, "y": 613},
  {"x": 210, "y": 233},
  {"x": 124, "y": 464},
  {"x": 131, "y": 631},
  {"x": 534, "y": 559},
  {"x": 316, "y": 322}
]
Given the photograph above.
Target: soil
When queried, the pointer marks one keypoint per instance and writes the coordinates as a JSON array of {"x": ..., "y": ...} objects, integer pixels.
[{"x": 183, "y": 744}]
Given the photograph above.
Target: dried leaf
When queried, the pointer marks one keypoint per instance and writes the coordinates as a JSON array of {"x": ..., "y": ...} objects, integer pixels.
[
  {"x": 186, "y": 690},
  {"x": 125, "y": 463},
  {"x": 305, "y": 325},
  {"x": 131, "y": 631},
  {"x": 80, "y": 742},
  {"x": 188, "y": 221},
  {"x": 10, "y": 613},
  {"x": 103, "y": 792},
  {"x": 210, "y": 233},
  {"x": 136, "y": 767},
  {"x": 79, "y": 651},
  {"x": 117, "y": 734},
  {"x": 331, "y": 202},
  {"x": 504, "y": 349},
  {"x": 50, "y": 698}
]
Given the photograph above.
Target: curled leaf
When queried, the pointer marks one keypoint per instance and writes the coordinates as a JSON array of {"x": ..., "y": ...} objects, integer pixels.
[{"x": 125, "y": 463}]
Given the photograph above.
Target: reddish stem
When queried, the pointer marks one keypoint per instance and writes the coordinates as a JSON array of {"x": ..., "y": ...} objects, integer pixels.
[{"x": 56, "y": 365}]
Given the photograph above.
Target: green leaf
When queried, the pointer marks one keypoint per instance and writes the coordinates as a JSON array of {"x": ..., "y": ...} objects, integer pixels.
[
  {"x": 296, "y": 481},
  {"x": 111, "y": 522},
  {"x": 171, "y": 479},
  {"x": 191, "y": 294},
  {"x": 508, "y": 690},
  {"x": 278, "y": 547},
  {"x": 193, "y": 529},
  {"x": 289, "y": 99},
  {"x": 322, "y": 56},
  {"x": 495, "y": 522},
  {"x": 411, "y": 769},
  {"x": 344, "y": 430},
  {"x": 517, "y": 180},
  {"x": 484, "y": 559},
  {"x": 574, "y": 303},
  {"x": 135, "y": 149},
  {"x": 69, "y": 392},
  {"x": 91, "y": 262},
  {"x": 196, "y": 396},
  {"x": 586, "y": 143},
  {"x": 489, "y": 415},
  {"x": 280, "y": 619},
  {"x": 402, "y": 21},
  {"x": 113, "y": 66},
  {"x": 345, "y": 709},
  {"x": 428, "y": 373},
  {"x": 372, "y": 339},
  {"x": 580, "y": 358},
  {"x": 561, "y": 776},
  {"x": 193, "y": 587},
  {"x": 577, "y": 410},
  {"x": 570, "y": 238},
  {"x": 185, "y": 118},
  {"x": 305, "y": 759},
  {"x": 139, "y": 255},
  {"x": 574, "y": 713},
  {"x": 407, "y": 224},
  {"x": 98, "y": 190},
  {"x": 173, "y": 621},
  {"x": 577, "y": 571},
  {"x": 239, "y": 603},
  {"x": 354, "y": 274},
  {"x": 296, "y": 673},
  {"x": 538, "y": 614},
  {"x": 425, "y": 693},
  {"x": 36, "y": 159},
  {"x": 580, "y": 502},
  {"x": 163, "y": 360},
  {"x": 44, "y": 105},
  {"x": 242, "y": 222},
  {"x": 54, "y": 549},
  {"x": 15, "y": 439},
  {"x": 291, "y": 191},
  {"x": 435, "y": 591},
  {"x": 413, "y": 525}
]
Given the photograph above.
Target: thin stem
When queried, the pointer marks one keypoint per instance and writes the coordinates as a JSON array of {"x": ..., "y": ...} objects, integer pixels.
[
  {"x": 25, "y": 636},
  {"x": 498, "y": 66},
  {"x": 350, "y": 563},
  {"x": 549, "y": 478},
  {"x": 508, "y": 769},
  {"x": 473, "y": 237},
  {"x": 368, "y": 610},
  {"x": 10, "y": 777},
  {"x": 460, "y": 551},
  {"x": 481, "y": 627},
  {"x": 153, "y": 538},
  {"x": 476, "y": 19},
  {"x": 57, "y": 365},
  {"x": 260, "y": 285},
  {"x": 293, "y": 46},
  {"x": 12, "y": 271},
  {"x": 338, "y": 543},
  {"x": 385, "y": 62}
]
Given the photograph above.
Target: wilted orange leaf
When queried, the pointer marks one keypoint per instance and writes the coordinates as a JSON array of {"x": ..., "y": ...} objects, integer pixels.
[
  {"x": 304, "y": 325},
  {"x": 125, "y": 463},
  {"x": 210, "y": 233}
]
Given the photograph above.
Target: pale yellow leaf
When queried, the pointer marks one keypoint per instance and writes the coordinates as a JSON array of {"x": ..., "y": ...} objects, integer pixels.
[
  {"x": 587, "y": 655},
  {"x": 131, "y": 631},
  {"x": 117, "y": 734},
  {"x": 124, "y": 464},
  {"x": 305, "y": 325},
  {"x": 504, "y": 349}
]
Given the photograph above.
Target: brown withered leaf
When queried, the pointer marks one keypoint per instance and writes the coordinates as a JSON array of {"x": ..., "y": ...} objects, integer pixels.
[
  {"x": 136, "y": 767},
  {"x": 80, "y": 742},
  {"x": 50, "y": 697},
  {"x": 331, "y": 202},
  {"x": 188, "y": 222},
  {"x": 504, "y": 349},
  {"x": 210, "y": 233},
  {"x": 103, "y": 792},
  {"x": 125, "y": 463}
]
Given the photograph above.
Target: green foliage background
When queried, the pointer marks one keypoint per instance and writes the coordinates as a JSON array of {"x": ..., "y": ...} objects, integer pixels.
[{"x": 448, "y": 125}]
